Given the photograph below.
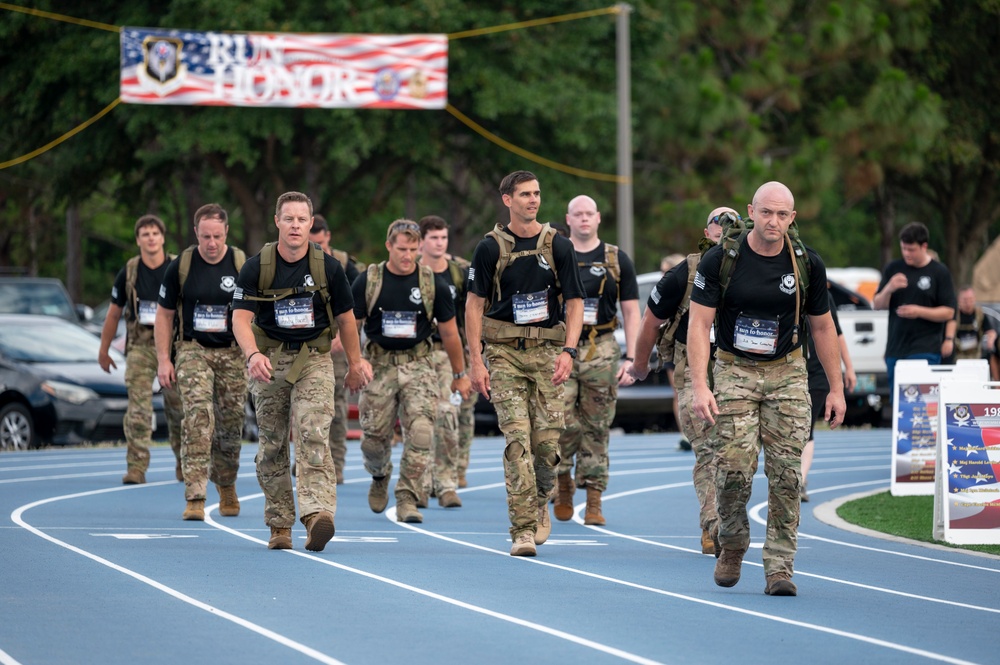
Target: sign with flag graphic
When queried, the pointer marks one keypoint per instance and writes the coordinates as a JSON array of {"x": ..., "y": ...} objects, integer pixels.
[
  {"x": 967, "y": 496},
  {"x": 915, "y": 420},
  {"x": 186, "y": 67}
]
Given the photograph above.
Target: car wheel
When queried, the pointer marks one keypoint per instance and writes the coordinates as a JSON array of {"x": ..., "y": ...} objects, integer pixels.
[{"x": 17, "y": 428}]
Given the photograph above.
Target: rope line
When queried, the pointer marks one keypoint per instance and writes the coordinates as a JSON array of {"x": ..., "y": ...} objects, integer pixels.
[
  {"x": 482, "y": 131},
  {"x": 71, "y": 133}
]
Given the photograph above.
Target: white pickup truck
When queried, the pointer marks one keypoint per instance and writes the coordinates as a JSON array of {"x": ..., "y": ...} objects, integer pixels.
[{"x": 865, "y": 331}]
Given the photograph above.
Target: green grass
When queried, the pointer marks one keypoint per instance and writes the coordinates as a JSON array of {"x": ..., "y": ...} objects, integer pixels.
[{"x": 906, "y": 516}]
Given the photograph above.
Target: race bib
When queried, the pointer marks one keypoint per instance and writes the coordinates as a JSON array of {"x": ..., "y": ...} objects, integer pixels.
[
  {"x": 295, "y": 313},
  {"x": 590, "y": 311},
  {"x": 147, "y": 312},
  {"x": 401, "y": 325},
  {"x": 531, "y": 307},
  {"x": 756, "y": 335},
  {"x": 210, "y": 318}
]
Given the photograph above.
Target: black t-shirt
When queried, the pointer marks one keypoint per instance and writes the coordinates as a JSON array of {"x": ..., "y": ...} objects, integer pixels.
[
  {"x": 406, "y": 323},
  {"x": 757, "y": 316},
  {"x": 457, "y": 292},
  {"x": 666, "y": 298},
  {"x": 147, "y": 290},
  {"x": 527, "y": 280},
  {"x": 968, "y": 335},
  {"x": 207, "y": 297},
  {"x": 592, "y": 273},
  {"x": 929, "y": 286},
  {"x": 297, "y": 317},
  {"x": 817, "y": 376}
]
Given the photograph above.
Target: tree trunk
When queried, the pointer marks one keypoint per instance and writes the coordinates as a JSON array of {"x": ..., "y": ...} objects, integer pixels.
[{"x": 886, "y": 212}]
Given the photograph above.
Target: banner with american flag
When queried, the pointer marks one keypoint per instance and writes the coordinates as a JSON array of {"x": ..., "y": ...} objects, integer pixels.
[{"x": 186, "y": 67}]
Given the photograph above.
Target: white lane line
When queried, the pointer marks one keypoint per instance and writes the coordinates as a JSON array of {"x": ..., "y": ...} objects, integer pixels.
[
  {"x": 391, "y": 514},
  {"x": 70, "y": 465},
  {"x": 701, "y": 601},
  {"x": 7, "y": 659},
  {"x": 17, "y": 518}
]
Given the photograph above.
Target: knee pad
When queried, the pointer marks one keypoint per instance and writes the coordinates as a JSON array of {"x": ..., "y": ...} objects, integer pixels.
[{"x": 513, "y": 451}]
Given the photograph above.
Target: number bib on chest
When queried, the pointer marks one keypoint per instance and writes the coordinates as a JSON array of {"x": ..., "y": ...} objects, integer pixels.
[
  {"x": 531, "y": 307},
  {"x": 147, "y": 312},
  {"x": 210, "y": 318},
  {"x": 756, "y": 335},
  {"x": 295, "y": 313},
  {"x": 402, "y": 325},
  {"x": 590, "y": 311}
]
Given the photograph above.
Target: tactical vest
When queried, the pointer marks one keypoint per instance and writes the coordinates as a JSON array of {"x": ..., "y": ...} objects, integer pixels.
[
  {"x": 975, "y": 327},
  {"x": 665, "y": 342},
  {"x": 184, "y": 267},
  {"x": 425, "y": 278},
  {"x": 495, "y": 330},
  {"x": 611, "y": 266},
  {"x": 134, "y": 332}
]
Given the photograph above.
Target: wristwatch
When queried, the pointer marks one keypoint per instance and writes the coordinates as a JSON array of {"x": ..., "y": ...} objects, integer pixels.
[
  {"x": 570, "y": 350},
  {"x": 458, "y": 375}
]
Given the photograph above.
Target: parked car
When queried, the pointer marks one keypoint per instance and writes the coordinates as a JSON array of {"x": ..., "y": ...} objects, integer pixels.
[
  {"x": 39, "y": 295},
  {"x": 52, "y": 389}
]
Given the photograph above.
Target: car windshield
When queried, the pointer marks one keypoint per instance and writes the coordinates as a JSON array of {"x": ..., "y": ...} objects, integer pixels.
[
  {"x": 35, "y": 298},
  {"x": 48, "y": 342}
]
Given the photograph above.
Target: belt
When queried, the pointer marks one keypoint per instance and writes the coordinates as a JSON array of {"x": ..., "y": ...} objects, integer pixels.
[
  {"x": 740, "y": 360},
  {"x": 377, "y": 354},
  {"x": 520, "y": 343},
  {"x": 211, "y": 345}
]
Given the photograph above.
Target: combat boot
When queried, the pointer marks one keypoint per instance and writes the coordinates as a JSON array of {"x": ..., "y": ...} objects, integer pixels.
[
  {"x": 727, "y": 568},
  {"x": 134, "y": 477},
  {"x": 544, "y": 526},
  {"x": 406, "y": 511},
  {"x": 780, "y": 584},
  {"x": 281, "y": 539},
  {"x": 707, "y": 542},
  {"x": 229, "y": 503},
  {"x": 593, "y": 515},
  {"x": 524, "y": 545},
  {"x": 564, "y": 497},
  {"x": 378, "y": 494},
  {"x": 462, "y": 481},
  {"x": 319, "y": 530},
  {"x": 195, "y": 510},
  {"x": 449, "y": 499}
]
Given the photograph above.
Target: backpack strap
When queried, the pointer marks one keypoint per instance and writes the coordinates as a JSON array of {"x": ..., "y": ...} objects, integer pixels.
[
  {"x": 425, "y": 279},
  {"x": 373, "y": 285}
]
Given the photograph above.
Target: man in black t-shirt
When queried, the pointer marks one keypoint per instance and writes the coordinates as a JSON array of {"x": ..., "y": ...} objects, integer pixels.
[
  {"x": 134, "y": 294},
  {"x": 320, "y": 234},
  {"x": 608, "y": 278},
  {"x": 970, "y": 335},
  {"x": 666, "y": 300},
  {"x": 209, "y": 369},
  {"x": 761, "y": 396},
  {"x": 286, "y": 302},
  {"x": 920, "y": 297},
  {"x": 398, "y": 302},
  {"x": 520, "y": 271}
]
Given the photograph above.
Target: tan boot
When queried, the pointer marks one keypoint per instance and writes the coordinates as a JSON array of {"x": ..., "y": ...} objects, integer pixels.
[
  {"x": 229, "y": 503},
  {"x": 319, "y": 530},
  {"x": 727, "y": 568},
  {"x": 462, "y": 480},
  {"x": 544, "y": 526},
  {"x": 707, "y": 543},
  {"x": 134, "y": 477},
  {"x": 406, "y": 511},
  {"x": 281, "y": 539},
  {"x": 195, "y": 510},
  {"x": 378, "y": 494},
  {"x": 524, "y": 545},
  {"x": 449, "y": 499},
  {"x": 780, "y": 584},
  {"x": 564, "y": 497},
  {"x": 593, "y": 515}
]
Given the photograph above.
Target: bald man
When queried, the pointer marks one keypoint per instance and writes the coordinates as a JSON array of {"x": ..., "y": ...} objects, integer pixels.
[
  {"x": 761, "y": 392},
  {"x": 608, "y": 278},
  {"x": 670, "y": 300}
]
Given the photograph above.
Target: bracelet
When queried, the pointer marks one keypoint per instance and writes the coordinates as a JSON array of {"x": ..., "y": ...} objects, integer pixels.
[
  {"x": 631, "y": 360},
  {"x": 251, "y": 356},
  {"x": 949, "y": 339}
]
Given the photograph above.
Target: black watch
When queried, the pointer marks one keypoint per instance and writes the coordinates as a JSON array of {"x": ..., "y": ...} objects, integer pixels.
[{"x": 570, "y": 350}]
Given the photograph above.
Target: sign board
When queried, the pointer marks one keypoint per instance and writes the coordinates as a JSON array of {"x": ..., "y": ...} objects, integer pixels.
[
  {"x": 915, "y": 420},
  {"x": 967, "y": 492},
  {"x": 188, "y": 67}
]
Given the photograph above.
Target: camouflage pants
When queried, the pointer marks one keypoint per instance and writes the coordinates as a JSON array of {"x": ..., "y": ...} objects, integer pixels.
[
  {"x": 443, "y": 473},
  {"x": 698, "y": 433},
  {"x": 212, "y": 384},
  {"x": 466, "y": 427},
  {"x": 408, "y": 390},
  {"x": 530, "y": 415},
  {"x": 338, "y": 427},
  {"x": 761, "y": 406},
  {"x": 591, "y": 397},
  {"x": 140, "y": 372},
  {"x": 312, "y": 396}
]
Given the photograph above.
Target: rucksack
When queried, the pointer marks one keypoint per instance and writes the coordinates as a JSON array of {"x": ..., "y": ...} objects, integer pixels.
[
  {"x": 317, "y": 270},
  {"x": 133, "y": 331},
  {"x": 734, "y": 232},
  {"x": 425, "y": 278},
  {"x": 665, "y": 341},
  {"x": 506, "y": 242},
  {"x": 184, "y": 267},
  {"x": 612, "y": 267}
]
